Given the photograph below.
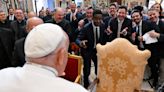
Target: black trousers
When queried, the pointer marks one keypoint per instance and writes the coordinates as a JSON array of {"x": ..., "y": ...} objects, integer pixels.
[
  {"x": 87, "y": 57},
  {"x": 153, "y": 62}
]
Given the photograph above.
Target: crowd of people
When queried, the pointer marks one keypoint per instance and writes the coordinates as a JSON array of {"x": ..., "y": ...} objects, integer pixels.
[{"x": 85, "y": 29}]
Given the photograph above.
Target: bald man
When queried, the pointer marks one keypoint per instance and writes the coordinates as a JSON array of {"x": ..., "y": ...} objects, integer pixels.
[
  {"x": 4, "y": 22},
  {"x": 46, "y": 54},
  {"x": 18, "y": 55},
  {"x": 18, "y": 26},
  {"x": 58, "y": 18},
  {"x": 31, "y": 14}
]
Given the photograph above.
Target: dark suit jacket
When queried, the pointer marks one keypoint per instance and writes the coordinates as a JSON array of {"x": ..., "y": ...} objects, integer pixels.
[
  {"x": 161, "y": 38},
  {"x": 12, "y": 20},
  {"x": 18, "y": 53},
  {"x": 19, "y": 29},
  {"x": 87, "y": 33},
  {"x": 114, "y": 27},
  {"x": 106, "y": 20},
  {"x": 74, "y": 23},
  {"x": 6, "y": 24},
  {"x": 146, "y": 27},
  {"x": 6, "y": 47}
]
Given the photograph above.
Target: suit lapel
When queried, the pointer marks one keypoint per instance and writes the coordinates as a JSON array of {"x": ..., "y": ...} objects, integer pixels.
[
  {"x": 161, "y": 26},
  {"x": 123, "y": 24},
  {"x": 91, "y": 30},
  {"x": 116, "y": 25},
  {"x": 101, "y": 33},
  {"x": 144, "y": 27}
]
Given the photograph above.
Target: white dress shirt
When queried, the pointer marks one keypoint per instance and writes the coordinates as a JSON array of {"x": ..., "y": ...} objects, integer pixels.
[
  {"x": 119, "y": 27},
  {"x": 11, "y": 17}
]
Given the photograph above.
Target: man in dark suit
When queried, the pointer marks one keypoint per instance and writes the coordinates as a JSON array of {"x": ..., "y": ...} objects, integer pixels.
[
  {"x": 89, "y": 36},
  {"x": 6, "y": 47},
  {"x": 89, "y": 15},
  {"x": 142, "y": 27},
  {"x": 111, "y": 14},
  {"x": 18, "y": 26},
  {"x": 81, "y": 23},
  {"x": 154, "y": 17},
  {"x": 6, "y": 41},
  {"x": 4, "y": 23},
  {"x": 120, "y": 26},
  {"x": 18, "y": 58},
  {"x": 58, "y": 18},
  {"x": 73, "y": 17},
  {"x": 11, "y": 16}
]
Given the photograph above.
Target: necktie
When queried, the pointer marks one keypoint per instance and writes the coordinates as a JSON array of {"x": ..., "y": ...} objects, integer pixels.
[
  {"x": 97, "y": 36},
  {"x": 95, "y": 31}
]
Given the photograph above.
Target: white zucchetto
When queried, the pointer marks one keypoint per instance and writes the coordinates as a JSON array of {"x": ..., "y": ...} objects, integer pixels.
[{"x": 43, "y": 40}]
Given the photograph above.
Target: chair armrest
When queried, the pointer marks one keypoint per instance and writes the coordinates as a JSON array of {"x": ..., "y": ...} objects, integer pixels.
[{"x": 77, "y": 80}]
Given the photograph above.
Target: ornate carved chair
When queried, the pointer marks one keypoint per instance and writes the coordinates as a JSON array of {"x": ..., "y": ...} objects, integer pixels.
[
  {"x": 120, "y": 66},
  {"x": 73, "y": 68}
]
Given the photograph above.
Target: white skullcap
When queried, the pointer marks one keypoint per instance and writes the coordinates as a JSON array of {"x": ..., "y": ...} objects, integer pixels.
[{"x": 43, "y": 40}]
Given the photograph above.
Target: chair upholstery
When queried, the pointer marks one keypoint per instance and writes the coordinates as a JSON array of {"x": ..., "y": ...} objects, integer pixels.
[
  {"x": 120, "y": 66},
  {"x": 73, "y": 68}
]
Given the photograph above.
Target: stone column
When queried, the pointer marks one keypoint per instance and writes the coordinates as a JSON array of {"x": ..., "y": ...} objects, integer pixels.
[
  {"x": 3, "y": 6},
  {"x": 30, "y": 5}
]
